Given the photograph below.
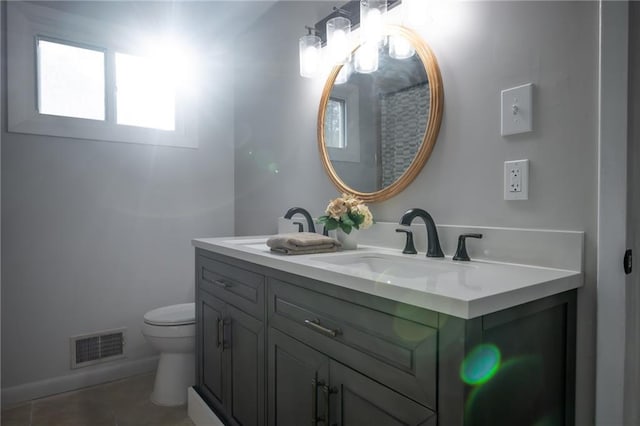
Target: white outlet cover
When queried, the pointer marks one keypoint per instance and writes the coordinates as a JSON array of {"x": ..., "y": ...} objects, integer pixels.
[
  {"x": 523, "y": 167},
  {"x": 516, "y": 110}
]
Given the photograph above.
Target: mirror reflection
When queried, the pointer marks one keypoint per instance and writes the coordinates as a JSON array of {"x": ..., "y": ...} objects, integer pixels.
[
  {"x": 377, "y": 129},
  {"x": 375, "y": 123}
]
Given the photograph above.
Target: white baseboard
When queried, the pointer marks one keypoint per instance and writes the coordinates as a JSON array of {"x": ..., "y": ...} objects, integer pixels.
[
  {"x": 78, "y": 379},
  {"x": 199, "y": 412}
]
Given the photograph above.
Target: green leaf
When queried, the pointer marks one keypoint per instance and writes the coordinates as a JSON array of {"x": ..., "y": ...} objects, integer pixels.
[
  {"x": 331, "y": 224},
  {"x": 323, "y": 219},
  {"x": 345, "y": 219},
  {"x": 346, "y": 228},
  {"x": 358, "y": 219}
]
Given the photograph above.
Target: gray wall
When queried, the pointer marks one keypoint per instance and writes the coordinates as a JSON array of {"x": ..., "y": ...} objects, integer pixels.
[
  {"x": 96, "y": 233},
  {"x": 275, "y": 125},
  {"x": 484, "y": 48},
  {"x": 362, "y": 175}
]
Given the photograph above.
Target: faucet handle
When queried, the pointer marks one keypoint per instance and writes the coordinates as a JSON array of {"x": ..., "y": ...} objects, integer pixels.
[
  {"x": 461, "y": 251},
  {"x": 409, "y": 247},
  {"x": 300, "y": 226}
]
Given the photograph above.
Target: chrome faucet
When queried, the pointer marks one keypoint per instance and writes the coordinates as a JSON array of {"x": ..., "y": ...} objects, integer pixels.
[
  {"x": 433, "y": 243},
  {"x": 294, "y": 210}
]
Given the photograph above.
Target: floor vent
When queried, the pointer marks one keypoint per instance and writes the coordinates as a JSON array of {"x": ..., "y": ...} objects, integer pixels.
[{"x": 89, "y": 349}]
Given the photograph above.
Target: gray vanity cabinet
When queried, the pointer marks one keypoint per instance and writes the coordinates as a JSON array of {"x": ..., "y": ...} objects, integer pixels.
[
  {"x": 307, "y": 387},
  {"x": 296, "y": 376},
  {"x": 231, "y": 341},
  {"x": 210, "y": 314},
  {"x": 361, "y": 401},
  {"x": 287, "y": 350}
]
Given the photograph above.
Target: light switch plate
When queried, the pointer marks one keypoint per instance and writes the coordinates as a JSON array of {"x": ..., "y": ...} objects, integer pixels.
[
  {"x": 516, "y": 110},
  {"x": 516, "y": 180}
]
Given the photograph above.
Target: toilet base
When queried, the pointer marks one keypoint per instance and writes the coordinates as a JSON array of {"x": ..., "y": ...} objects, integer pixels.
[{"x": 175, "y": 374}]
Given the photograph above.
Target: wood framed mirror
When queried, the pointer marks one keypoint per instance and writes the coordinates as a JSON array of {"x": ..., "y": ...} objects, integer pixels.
[{"x": 377, "y": 130}]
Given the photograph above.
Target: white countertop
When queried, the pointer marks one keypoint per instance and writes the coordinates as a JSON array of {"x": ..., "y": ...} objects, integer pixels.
[{"x": 462, "y": 289}]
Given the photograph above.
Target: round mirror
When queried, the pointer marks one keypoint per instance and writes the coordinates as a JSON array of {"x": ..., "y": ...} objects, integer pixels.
[{"x": 377, "y": 127}]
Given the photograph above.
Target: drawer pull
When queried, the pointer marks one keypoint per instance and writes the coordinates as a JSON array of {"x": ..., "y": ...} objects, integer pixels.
[
  {"x": 222, "y": 283},
  {"x": 315, "y": 326},
  {"x": 314, "y": 395}
]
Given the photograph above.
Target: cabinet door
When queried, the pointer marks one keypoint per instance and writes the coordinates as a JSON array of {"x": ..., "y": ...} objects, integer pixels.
[
  {"x": 245, "y": 349},
  {"x": 361, "y": 401},
  {"x": 297, "y": 376},
  {"x": 210, "y": 349}
]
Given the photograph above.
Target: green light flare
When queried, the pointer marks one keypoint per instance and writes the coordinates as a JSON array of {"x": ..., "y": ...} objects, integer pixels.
[{"x": 480, "y": 365}]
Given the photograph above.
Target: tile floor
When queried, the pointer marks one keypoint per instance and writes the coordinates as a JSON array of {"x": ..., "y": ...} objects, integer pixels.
[{"x": 121, "y": 403}]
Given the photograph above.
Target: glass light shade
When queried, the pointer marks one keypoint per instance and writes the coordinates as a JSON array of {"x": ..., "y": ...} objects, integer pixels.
[
  {"x": 344, "y": 74},
  {"x": 415, "y": 12},
  {"x": 338, "y": 31},
  {"x": 372, "y": 16},
  {"x": 366, "y": 58},
  {"x": 310, "y": 55},
  {"x": 400, "y": 47}
]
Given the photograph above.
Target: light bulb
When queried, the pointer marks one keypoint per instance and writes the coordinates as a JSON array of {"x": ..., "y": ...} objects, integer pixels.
[
  {"x": 400, "y": 47},
  {"x": 372, "y": 19},
  {"x": 372, "y": 26},
  {"x": 344, "y": 74},
  {"x": 366, "y": 60},
  {"x": 309, "y": 49},
  {"x": 338, "y": 30}
]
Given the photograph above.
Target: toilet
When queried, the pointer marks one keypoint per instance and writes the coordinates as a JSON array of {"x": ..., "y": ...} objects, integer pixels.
[{"x": 171, "y": 330}]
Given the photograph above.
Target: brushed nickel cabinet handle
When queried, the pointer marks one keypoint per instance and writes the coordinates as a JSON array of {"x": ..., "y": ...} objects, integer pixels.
[
  {"x": 316, "y": 326},
  {"x": 222, "y": 283}
]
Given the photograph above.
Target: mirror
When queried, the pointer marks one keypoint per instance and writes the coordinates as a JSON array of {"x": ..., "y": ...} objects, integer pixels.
[{"x": 377, "y": 130}]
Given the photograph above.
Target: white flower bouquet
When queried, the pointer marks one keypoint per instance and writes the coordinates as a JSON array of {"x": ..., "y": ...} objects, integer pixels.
[{"x": 346, "y": 212}]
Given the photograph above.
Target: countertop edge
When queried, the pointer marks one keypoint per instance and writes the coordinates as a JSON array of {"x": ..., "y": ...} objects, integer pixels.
[{"x": 465, "y": 309}]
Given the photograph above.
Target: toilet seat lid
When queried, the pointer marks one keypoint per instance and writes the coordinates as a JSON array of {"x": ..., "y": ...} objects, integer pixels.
[{"x": 182, "y": 314}]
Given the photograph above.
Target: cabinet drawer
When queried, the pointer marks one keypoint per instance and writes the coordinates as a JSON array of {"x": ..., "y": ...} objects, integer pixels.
[
  {"x": 239, "y": 287},
  {"x": 396, "y": 351}
]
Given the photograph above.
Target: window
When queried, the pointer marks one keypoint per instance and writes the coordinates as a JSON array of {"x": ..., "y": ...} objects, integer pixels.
[
  {"x": 334, "y": 124},
  {"x": 145, "y": 94},
  {"x": 74, "y": 77},
  {"x": 70, "y": 81},
  {"x": 342, "y": 124}
]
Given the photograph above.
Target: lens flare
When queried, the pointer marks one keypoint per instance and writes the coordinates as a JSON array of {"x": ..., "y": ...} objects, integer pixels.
[
  {"x": 480, "y": 365},
  {"x": 516, "y": 395}
]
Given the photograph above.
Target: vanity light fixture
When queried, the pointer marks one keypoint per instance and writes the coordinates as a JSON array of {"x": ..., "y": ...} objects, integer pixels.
[
  {"x": 338, "y": 42},
  {"x": 366, "y": 58},
  {"x": 372, "y": 17},
  {"x": 344, "y": 74},
  {"x": 400, "y": 48},
  {"x": 334, "y": 32},
  {"x": 310, "y": 47}
]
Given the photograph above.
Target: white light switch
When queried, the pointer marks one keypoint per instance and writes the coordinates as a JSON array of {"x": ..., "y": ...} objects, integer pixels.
[
  {"x": 516, "y": 180},
  {"x": 516, "y": 107}
]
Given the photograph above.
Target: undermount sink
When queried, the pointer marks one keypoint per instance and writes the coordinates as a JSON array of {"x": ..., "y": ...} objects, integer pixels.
[{"x": 392, "y": 266}]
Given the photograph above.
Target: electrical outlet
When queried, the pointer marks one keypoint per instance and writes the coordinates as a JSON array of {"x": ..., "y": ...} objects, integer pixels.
[{"x": 516, "y": 180}]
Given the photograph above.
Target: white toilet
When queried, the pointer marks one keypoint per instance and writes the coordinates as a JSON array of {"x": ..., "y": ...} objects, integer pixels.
[{"x": 171, "y": 330}]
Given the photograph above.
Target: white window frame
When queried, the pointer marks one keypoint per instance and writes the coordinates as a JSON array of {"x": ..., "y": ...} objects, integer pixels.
[
  {"x": 351, "y": 153},
  {"x": 27, "y": 22},
  {"x": 343, "y": 124}
]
